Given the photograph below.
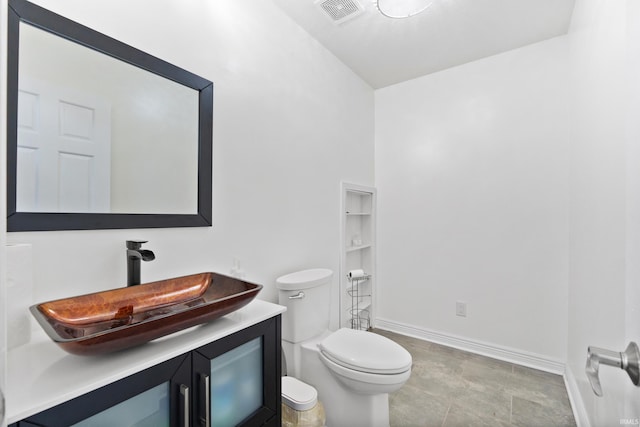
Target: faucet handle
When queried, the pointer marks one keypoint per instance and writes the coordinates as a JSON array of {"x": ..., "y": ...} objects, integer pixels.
[{"x": 135, "y": 244}]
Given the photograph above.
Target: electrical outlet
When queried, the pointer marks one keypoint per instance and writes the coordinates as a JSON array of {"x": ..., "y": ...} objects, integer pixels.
[{"x": 461, "y": 309}]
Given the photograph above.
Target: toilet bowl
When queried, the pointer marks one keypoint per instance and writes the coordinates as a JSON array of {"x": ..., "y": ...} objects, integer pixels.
[
  {"x": 365, "y": 362},
  {"x": 353, "y": 370}
]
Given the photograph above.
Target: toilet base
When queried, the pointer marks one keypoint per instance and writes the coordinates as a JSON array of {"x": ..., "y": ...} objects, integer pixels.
[{"x": 343, "y": 407}]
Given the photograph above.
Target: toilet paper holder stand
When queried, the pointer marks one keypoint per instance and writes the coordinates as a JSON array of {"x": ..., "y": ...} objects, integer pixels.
[{"x": 360, "y": 317}]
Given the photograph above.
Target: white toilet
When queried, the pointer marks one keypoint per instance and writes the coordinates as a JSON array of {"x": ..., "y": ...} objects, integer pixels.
[{"x": 354, "y": 371}]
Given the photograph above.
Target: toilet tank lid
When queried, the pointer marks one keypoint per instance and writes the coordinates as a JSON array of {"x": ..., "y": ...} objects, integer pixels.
[
  {"x": 304, "y": 279},
  {"x": 298, "y": 395}
]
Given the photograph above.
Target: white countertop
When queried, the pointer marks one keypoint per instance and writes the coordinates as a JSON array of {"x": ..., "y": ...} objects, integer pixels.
[{"x": 40, "y": 375}]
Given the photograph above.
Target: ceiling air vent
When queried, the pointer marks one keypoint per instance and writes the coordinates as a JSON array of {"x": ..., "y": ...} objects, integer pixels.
[{"x": 340, "y": 11}]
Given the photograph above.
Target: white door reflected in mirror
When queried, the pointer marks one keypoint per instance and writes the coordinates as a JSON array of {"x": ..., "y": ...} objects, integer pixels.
[
  {"x": 64, "y": 150},
  {"x": 98, "y": 135}
]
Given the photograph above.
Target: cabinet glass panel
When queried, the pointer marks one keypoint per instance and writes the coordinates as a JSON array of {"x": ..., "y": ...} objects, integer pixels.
[
  {"x": 236, "y": 384},
  {"x": 148, "y": 409}
]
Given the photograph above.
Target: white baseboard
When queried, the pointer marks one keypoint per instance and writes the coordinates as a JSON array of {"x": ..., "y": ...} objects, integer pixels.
[
  {"x": 511, "y": 355},
  {"x": 577, "y": 404}
]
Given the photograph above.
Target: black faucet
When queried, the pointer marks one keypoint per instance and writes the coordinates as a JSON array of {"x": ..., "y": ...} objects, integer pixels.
[{"x": 134, "y": 255}]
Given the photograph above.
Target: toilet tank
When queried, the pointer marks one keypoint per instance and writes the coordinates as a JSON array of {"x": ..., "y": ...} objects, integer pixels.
[{"x": 306, "y": 294}]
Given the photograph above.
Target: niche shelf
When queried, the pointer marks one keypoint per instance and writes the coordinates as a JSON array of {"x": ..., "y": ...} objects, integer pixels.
[
  {"x": 357, "y": 248},
  {"x": 358, "y": 252}
]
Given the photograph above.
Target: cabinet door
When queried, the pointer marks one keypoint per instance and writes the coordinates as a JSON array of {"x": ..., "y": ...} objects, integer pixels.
[
  {"x": 155, "y": 397},
  {"x": 238, "y": 378}
]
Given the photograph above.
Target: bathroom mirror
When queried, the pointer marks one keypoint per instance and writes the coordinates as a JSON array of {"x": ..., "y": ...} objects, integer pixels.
[{"x": 100, "y": 134}]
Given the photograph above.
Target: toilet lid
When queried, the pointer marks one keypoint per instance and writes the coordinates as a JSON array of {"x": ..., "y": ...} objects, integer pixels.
[
  {"x": 366, "y": 352},
  {"x": 298, "y": 395}
]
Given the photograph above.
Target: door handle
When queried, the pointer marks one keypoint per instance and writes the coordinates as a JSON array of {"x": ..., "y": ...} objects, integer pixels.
[
  {"x": 628, "y": 360},
  {"x": 184, "y": 393},
  {"x": 205, "y": 401}
]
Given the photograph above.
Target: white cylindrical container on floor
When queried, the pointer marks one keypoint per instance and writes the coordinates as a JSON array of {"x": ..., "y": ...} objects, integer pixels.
[{"x": 300, "y": 406}]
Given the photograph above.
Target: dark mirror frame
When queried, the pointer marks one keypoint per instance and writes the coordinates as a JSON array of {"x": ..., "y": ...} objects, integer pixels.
[{"x": 23, "y": 11}]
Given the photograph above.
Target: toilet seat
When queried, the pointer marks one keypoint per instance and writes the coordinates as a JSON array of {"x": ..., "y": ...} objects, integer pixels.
[
  {"x": 365, "y": 382},
  {"x": 365, "y": 352},
  {"x": 365, "y": 377}
]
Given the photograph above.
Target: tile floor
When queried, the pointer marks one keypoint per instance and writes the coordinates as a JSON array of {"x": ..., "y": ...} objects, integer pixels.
[{"x": 453, "y": 388}]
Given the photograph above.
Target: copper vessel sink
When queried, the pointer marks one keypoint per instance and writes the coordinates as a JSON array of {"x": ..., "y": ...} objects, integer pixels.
[{"x": 113, "y": 320}]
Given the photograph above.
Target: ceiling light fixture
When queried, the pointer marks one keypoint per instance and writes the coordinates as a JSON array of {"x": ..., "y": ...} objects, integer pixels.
[{"x": 402, "y": 8}]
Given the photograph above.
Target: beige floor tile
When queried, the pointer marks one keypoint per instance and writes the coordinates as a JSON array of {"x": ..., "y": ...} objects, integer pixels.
[
  {"x": 461, "y": 417},
  {"x": 453, "y": 388},
  {"x": 411, "y": 406},
  {"x": 532, "y": 414}
]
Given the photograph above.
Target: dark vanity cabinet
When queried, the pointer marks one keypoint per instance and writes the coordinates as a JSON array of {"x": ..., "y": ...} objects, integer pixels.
[{"x": 232, "y": 381}]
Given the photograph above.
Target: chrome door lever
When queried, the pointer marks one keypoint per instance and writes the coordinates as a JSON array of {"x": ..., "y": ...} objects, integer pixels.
[{"x": 628, "y": 360}]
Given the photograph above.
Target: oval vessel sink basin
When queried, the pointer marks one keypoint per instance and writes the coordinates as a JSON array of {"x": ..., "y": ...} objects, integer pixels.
[{"x": 116, "y": 319}]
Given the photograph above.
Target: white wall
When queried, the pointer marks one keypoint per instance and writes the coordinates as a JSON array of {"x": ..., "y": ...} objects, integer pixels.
[
  {"x": 605, "y": 200},
  {"x": 512, "y": 183},
  {"x": 471, "y": 170},
  {"x": 290, "y": 122}
]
